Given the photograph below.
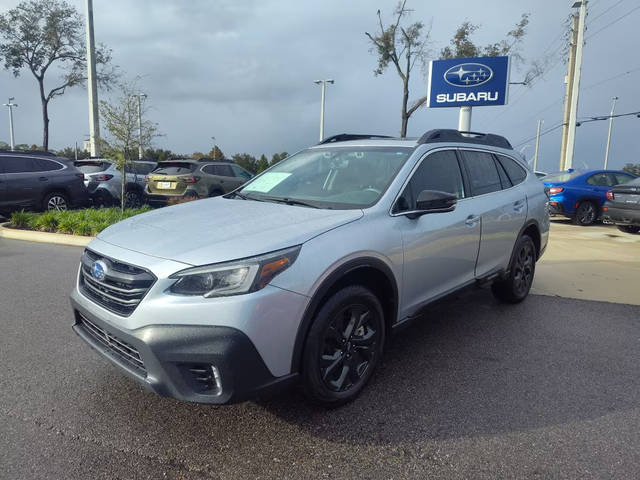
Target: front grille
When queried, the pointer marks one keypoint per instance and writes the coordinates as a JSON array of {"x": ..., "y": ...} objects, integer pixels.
[
  {"x": 118, "y": 348},
  {"x": 122, "y": 288}
]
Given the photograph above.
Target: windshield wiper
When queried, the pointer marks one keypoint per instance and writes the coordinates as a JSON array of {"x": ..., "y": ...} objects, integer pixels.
[
  {"x": 291, "y": 201},
  {"x": 246, "y": 197}
]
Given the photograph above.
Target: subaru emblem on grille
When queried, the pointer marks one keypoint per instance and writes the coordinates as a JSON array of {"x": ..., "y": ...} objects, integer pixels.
[{"x": 99, "y": 270}]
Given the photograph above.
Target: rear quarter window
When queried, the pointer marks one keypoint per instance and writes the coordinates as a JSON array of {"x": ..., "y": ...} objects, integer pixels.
[{"x": 516, "y": 173}]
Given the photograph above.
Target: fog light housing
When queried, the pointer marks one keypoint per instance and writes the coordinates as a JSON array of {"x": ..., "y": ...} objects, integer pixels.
[{"x": 207, "y": 379}]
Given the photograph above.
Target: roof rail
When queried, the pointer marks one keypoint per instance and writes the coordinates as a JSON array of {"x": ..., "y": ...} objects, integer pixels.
[
  {"x": 28, "y": 152},
  {"x": 344, "y": 137},
  {"x": 450, "y": 135}
]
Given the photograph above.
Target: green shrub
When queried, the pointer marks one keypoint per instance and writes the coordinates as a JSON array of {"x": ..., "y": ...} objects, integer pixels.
[
  {"x": 20, "y": 219},
  {"x": 89, "y": 221}
]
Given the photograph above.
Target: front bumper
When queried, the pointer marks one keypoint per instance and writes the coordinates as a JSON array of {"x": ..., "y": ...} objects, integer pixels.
[{"x": 176, "y": 360}]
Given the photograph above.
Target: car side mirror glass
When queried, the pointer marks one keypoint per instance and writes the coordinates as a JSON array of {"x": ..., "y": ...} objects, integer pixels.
[{"x": 435, "y": 201}]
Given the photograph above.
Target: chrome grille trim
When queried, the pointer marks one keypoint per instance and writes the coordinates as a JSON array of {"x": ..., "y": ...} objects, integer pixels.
[
  {"x": 121, "y": 290},
  {"x": 120, "y": 348}
]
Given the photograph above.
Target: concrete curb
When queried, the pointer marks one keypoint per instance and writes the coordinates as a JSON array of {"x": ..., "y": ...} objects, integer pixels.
[{"x": 43, "y": 237}]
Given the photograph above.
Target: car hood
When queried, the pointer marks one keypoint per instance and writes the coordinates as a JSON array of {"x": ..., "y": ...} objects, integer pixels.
[{"x": 219, "y": 229}]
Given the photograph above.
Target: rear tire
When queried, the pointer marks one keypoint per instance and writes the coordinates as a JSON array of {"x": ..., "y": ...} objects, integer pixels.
[
  {"x": 344, "y": 346},
  {"x": 629, "y": 228},
  {"x": 586, "y": 213},
  {"x": 132, "y": 199},
  {"x": 55, "y": 201},
  {"x": 516, "y": 286}
]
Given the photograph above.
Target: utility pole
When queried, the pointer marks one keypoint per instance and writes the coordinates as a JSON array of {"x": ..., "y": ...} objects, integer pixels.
[
  {"x": 323, "y": 83},
  {"x": 569, "y": 82},
  {"x": 535, "y": 156},
  {"x": 606, "y": 155},
  {"x": 92, "y": 84},
  {"x": 464, "y": 119},
  {"x": 140, "y": 96},
  {"x": 575, "y": 88},
  {"x": 10, "y": 105}
]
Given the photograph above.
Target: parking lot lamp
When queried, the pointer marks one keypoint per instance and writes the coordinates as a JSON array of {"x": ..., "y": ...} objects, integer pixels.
[
  {"x": 323, "y": 83},
  {"x": 10, "y": 105}
]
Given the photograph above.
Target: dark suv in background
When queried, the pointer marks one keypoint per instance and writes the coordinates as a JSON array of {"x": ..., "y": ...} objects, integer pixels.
[{"x": 39, "y": 181}]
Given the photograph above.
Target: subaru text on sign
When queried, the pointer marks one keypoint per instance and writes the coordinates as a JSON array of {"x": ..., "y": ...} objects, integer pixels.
[{"x": 472, "y": 82}]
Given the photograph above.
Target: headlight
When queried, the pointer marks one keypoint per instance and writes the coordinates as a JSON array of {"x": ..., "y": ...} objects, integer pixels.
[{"x": 233, "y": 278}]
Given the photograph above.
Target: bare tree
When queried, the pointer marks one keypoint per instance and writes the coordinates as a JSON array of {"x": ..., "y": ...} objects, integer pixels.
[
  {"x": 404, "y": 47},
  {"x": 45, "y": 34},
  {"x": 120, "y": 119}
]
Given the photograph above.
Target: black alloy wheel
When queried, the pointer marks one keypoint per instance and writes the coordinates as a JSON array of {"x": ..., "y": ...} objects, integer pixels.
[
  {"x": 586, "y": 213},
  {"x": 343, "y": 347},
  {"x": 515, "y": 287},
  {"x": 349, "y": 347}
]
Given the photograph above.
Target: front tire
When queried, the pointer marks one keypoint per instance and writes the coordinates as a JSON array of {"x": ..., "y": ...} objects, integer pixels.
[
  {"x": 516, "y": 286},
  {"x": 344, "y": 346}
]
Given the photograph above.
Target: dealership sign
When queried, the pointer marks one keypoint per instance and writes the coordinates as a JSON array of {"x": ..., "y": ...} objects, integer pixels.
[{"x": 468, "y": 82}]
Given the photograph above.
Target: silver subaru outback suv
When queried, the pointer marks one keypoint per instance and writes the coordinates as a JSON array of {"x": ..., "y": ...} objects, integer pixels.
[{"x": 303, "y": 273}]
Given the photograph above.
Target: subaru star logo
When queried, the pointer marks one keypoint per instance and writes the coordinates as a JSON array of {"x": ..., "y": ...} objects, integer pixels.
[
  {"x": 468, "y": 75},
  {"x": 99, "y": 270}
]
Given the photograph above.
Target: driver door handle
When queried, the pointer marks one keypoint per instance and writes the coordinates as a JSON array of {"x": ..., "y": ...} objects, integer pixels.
[{"x": 472, "y": 220}]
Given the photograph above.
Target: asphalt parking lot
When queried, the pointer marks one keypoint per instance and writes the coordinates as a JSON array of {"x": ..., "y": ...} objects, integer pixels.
[{"x": 545, "y": 389}]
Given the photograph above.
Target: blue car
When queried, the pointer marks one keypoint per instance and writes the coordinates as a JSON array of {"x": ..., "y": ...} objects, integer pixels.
[{"x": 580, "y": 195}]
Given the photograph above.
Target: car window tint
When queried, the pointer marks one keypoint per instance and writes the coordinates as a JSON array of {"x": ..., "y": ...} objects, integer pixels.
[
  {"x": 516, "y": 173},
  {"x": 438, "y": 171},
  {"x": 92, "y": 167},
  {"x": 483, "y": 173},
  {"x": 17, "y": 164},
  {"x": 175, "y": 168},
  {"x": 43, "y": 165},
  {"x": 621, "y": 178},
  {"x": 225, "y": 170},
  {"x": 144, "y": 168},
  {"x": 504, "y": 178},
  {"x": 600, "y": 180},
  {"x": 240, "y": 172}
]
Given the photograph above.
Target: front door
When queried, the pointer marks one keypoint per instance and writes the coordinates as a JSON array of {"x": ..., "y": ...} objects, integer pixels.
[{"x": 440, "y": 249}]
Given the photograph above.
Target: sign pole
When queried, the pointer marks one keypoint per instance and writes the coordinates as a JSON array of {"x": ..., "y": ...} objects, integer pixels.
[{"x": 464, "y": 119}]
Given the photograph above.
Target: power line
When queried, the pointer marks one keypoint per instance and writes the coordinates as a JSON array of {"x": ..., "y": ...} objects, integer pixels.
[
  {"x": 613, "y": 22},
  {"x": 542, "y": 134},
  {"x": 607, "y": 10},
  {"x": 611, "y": 78}
]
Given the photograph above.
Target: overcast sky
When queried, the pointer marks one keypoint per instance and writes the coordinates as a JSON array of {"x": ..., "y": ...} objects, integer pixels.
[{"x": 243, "y": 71}]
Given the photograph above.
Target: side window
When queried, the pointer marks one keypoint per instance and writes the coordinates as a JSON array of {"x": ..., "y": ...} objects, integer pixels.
[
  {"x": 504, "y": 178},
  {"x": 438, "y": 171},
  {"x": 483, "y": 173},
  {"x": 600, "y": 180},
  {"x": 43, "y": 165},
  {"x": 516, "y": 173},
  {"x": 240, "y": 172},
  {"x": 18, "y": 165},
  {"x": 208, "y": 169},
  {"x": 225, "y": 170},
  {"x": 621, "y": 178}
]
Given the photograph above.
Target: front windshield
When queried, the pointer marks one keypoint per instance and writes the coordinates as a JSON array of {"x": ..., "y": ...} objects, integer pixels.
[{"x": 333, "y": 177}]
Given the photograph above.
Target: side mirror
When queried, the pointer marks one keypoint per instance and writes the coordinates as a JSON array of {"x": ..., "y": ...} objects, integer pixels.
[{"x": 434, "y": 201}]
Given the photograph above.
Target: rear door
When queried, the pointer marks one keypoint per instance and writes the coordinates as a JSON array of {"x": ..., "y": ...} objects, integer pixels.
[
  {"x": 502, "y": 207},
  {"x": 228, "y": 179},
  {"x": 598, "y": 185}
]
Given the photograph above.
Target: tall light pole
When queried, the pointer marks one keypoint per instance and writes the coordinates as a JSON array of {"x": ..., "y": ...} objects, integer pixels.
[
  {"x": 606, "y": 155},
  {"x": 323, "y": 83},
  {"x": 10, "y": 105},
  {"x": 140, "y": 96},
  {"x": 214, "y": 148},
  {"x": 573, "y": 112},
  {"x": 92, "y": 84},
  {"x": 535, "y": 156}
]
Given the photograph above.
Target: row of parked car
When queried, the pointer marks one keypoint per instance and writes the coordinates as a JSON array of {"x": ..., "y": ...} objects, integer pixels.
[{"x": 42, "y": 181}]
